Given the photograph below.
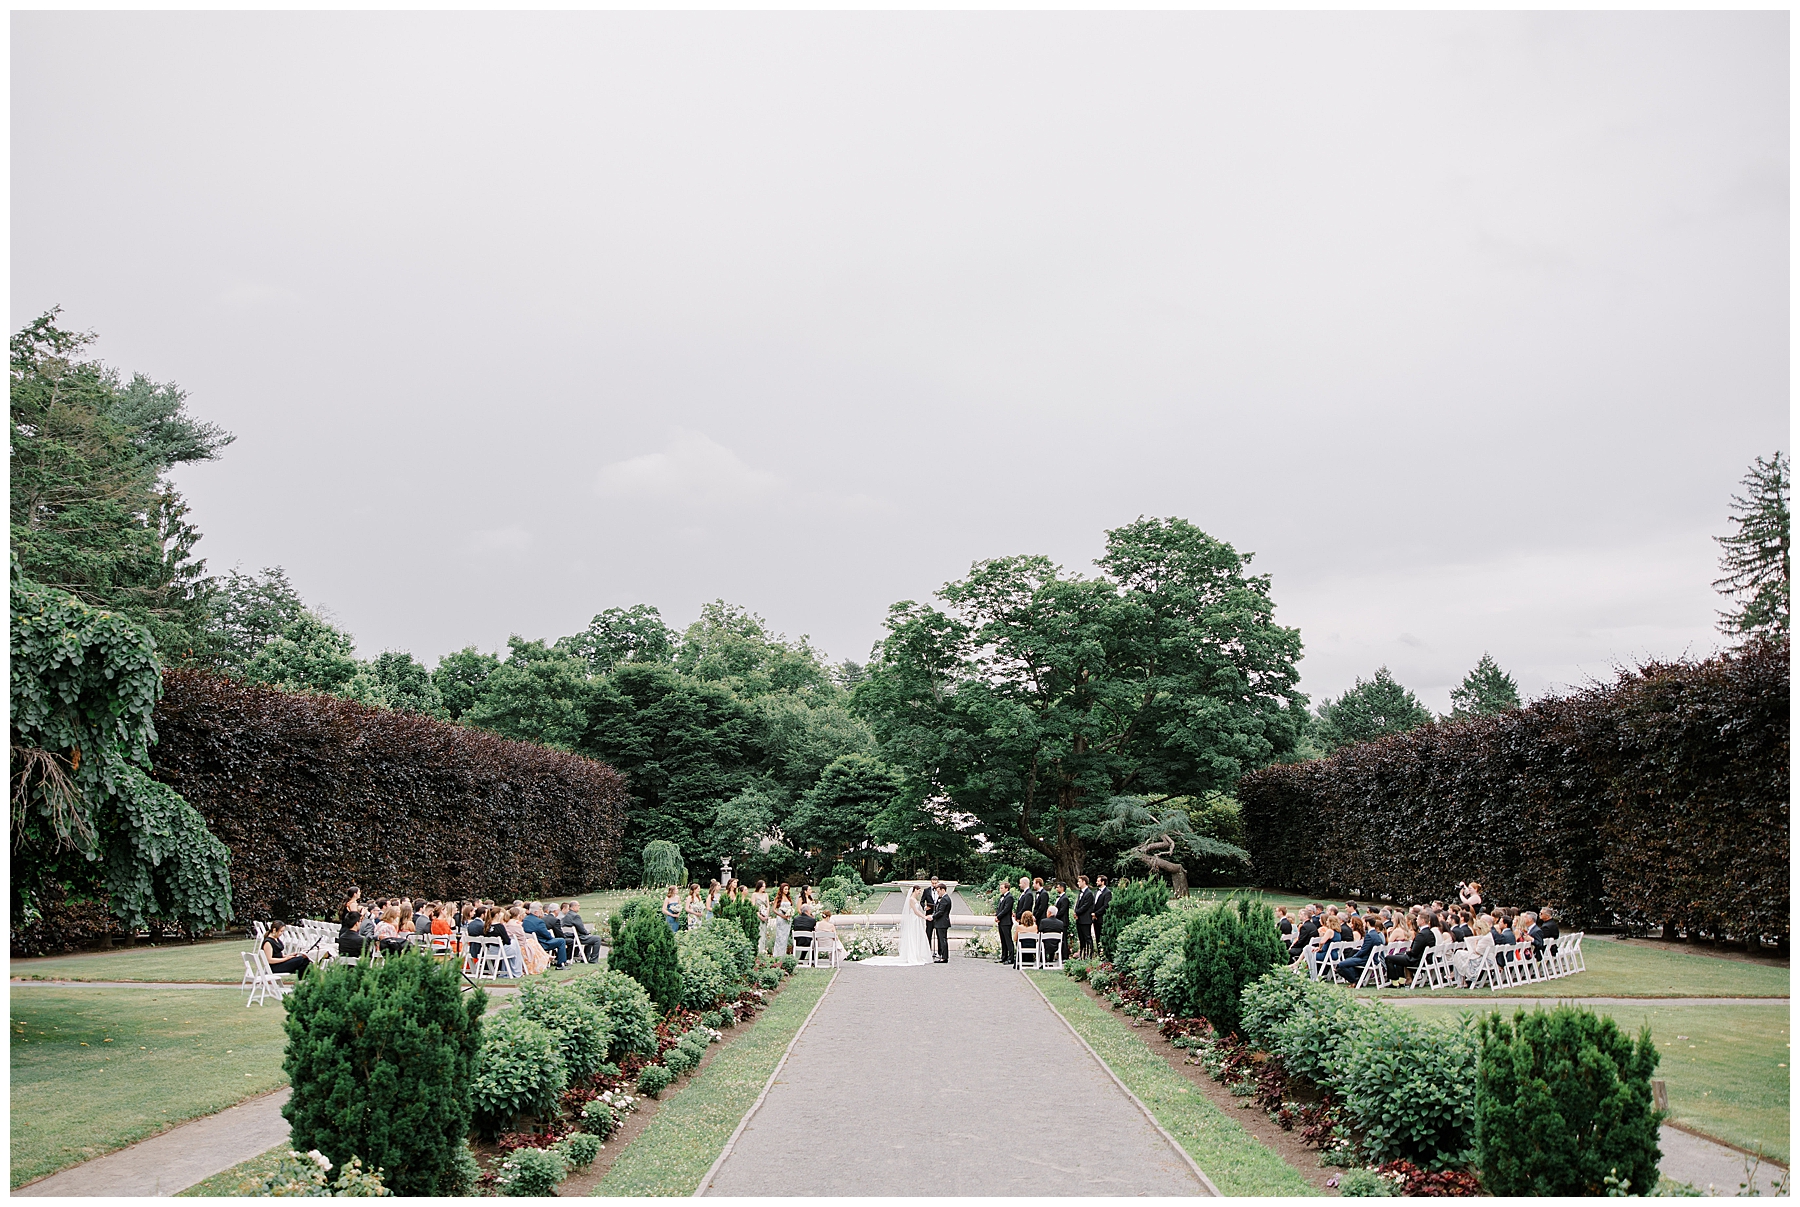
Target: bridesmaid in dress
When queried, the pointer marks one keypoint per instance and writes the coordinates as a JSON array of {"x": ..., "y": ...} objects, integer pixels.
[{"x": 784, "y": 916}]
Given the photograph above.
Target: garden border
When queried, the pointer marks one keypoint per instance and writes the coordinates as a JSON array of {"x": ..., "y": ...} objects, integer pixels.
[
  {"x": 731, "y": 1143},
  {"x": 1125, "y": 1089}
]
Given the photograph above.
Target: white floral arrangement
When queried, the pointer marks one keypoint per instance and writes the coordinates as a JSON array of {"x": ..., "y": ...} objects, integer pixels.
[{"x": 864, "y": 942}]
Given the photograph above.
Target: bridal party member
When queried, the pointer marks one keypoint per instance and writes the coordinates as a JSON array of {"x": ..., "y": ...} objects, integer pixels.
[
  {"x": 1040, "y": 900},
  {"x": 671, "y": 908},
  {"x": 1084, "y": 917},
  {"x": 1003, "y": 922},
  {"x": 1102, "y": 901}
]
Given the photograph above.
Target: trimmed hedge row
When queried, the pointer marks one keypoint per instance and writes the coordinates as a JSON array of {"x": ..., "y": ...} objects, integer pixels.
[
  {"x": 1661, "y": 799},
  {"x": 314, "y": 793}
]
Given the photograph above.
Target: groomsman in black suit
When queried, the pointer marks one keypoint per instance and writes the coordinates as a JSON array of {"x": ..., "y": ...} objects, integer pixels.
[
  {"x": 1040, "y": 900},
  {"x": 1064, "y": 909},
  {"x": 1084, "y": 917},
  {"x": 1102, "y": 899},
  {"x": 940, "y": 923},
  {"x": 1003, "y": 922}
]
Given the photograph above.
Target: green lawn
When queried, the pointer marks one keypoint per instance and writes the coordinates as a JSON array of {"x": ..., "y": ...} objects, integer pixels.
[
  {"x": 1726, "y": 1066},
  {"x": 690, "y": 1131},
  {"x": 96, "y": 1069},
  {"x": 1235, "y": 1160}
]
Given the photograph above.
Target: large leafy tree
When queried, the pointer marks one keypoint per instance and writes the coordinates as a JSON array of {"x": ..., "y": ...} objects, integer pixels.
[
  {"x": 536, "y": 695},
  {"x": 1034, "y": 698},
  {"x": 1370, "y": 710},
  {"x": 733, "y": 646},
  {"x": 1755, "y": 562},
  {"x": 85, "y": 813},
  {"x": 617, "y": 635},
  {"x": 838, "y": 813},
  {"x": 1164, "y": 839},
  {"x": 245, "y": 613},
  {"x": 93, "y": 513},
  {"x": 309, "y": 654},
  {"x": 461, "y": 677},
  {"x": 1484, "y": 691}
]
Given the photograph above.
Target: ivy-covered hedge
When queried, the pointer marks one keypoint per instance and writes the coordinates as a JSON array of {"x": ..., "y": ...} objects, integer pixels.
[
  {"x": 1661, "y": 799},
  {"x": 313, "y": 794}
]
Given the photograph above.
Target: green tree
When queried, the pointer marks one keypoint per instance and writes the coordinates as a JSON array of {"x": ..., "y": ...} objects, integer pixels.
[
  {"x": 663, "y": 865},
  {"x": 86, "y": 813},
  {"x": 618, "y": 635},
  {"x": 536, "y": 695},
  {"x": 1163, "y": 840},
  {"x": 1038, "y": 697},
  {"x": 1755, "y": 561},
  {"x": 93, "y": 513},
  {"x": 245, "y": 612},
  {"x": 460, "y": 678},
  {"x": 684, "y": 747},
  {"x": 396, "y": 681},
  {"x": 733, "y": 646},
  {"x": 1563, "y": 1100},
  {"x": 646, "y": 954},
  {"x": 1370, "y": 710},
  {"x": 310, "y": 654},
  {"x": 1484, "y": 691},
  {"x": 837, "y": 813},
  {"x": 1226, "y": 948},
  {"x": 381, "y": 1055}
]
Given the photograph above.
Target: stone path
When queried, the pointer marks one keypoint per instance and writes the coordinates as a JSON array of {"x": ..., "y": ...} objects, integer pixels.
[
  {"x": 1702, "y": 1164},
  {"x": 178, "y": 1158},
  {"x": 947, "y": 1079}
]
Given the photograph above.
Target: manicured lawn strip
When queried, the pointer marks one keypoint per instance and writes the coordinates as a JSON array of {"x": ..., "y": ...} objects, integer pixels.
[
  {"x": 215, "y": 960},
  {"x": 1727, "y": 1079},
  {"x": 239, "y": 1179},
  {"x": 174, "y": 1055},
  {"x": 1616, "y": 969},
  {"x": 689, "y": 1132},
  {"x": 1236, "y": 1162}
]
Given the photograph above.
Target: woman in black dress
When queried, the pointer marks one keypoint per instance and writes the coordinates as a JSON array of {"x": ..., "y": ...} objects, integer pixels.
[{"x": 272, "y": 949}]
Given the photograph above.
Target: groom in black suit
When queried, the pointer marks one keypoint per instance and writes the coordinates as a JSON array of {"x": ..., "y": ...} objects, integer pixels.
[
  {"x": 940, "y": 922},
  {"x": 1003, "y": 922}
]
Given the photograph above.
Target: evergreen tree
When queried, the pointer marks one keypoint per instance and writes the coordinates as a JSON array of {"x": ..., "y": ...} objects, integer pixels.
[
  {"x": 1755, "y": 560},
  {"x": 1226, "y": 948},
  {"x": 1370, "y": 710},
  {"x": 245, "y": 613},
  {"x": 646, "y": 954},
  {"x": 1562, "y": 1100},
  {"x": 1484, "y": 691},
  {"x": 381, "y": 1056}
]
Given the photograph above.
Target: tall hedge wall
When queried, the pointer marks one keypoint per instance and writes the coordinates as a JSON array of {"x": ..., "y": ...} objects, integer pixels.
[
  {"x": 1661, "y": 799},
  {"x": 314, "y": 794}
]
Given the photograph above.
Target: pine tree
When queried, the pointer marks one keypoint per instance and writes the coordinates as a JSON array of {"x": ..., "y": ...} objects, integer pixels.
[
  {"x": 1562, "y": 1100},
  {"x": 646, "y": 954},
  {"x": 381, "y": 1056},
  {"x": 1370, "y": 710},
  {"x": 1755, "y": 560},
  {"x": 1227, "y": 948},
  {"x": 1484, "y": 691}
]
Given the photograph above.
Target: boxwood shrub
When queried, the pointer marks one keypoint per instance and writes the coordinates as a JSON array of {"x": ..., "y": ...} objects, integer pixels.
[
  {"x": 581, "y": 1027},
  {"x": 653, "y": 1080},
  {"x": 630, "y": 1015},
  {"x": 519, "y": 1070}
]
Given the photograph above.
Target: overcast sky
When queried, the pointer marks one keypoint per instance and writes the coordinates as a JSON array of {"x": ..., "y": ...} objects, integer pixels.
[{"x": 1467, "y": 325}]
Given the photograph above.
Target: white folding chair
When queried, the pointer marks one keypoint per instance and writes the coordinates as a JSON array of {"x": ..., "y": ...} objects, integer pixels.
[
  {"x": 804, "y": 951},
  {"x": 1029, "y": 954},
  {"x": 577, "y": 947},
  {"x": 1374, "y": 973},
  {"x": 1340, "y": 949},
  {"x": 1572, "y": 952},
  {"x": 261, "y": 979},
  {"x": 1050, "y": 952}
]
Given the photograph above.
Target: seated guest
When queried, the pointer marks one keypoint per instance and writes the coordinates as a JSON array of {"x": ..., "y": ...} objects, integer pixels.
[
  {"x": 477, "y": 922},
  {"x": 1025, "y": 925},
  {"x": 1467, "y": 963},
  {"x": 371, "y": 917},
  {"x": 1400, "y": 968},
  {"x": 1051, "y": 932},
  {"x": 1284, "y": 924},
  {"x": 494, "y": 927},
  {"x": 1460, "y": 929},
  {"x": 536, "y": 924},
  {"x": 350, "y": 940},
  {"x": 804, "y": 923},
  {"x": 1309, "y": 930},
  {"x": 440, "y": 921},
  {"x": 272, "y": 948},
  {"x": 825, "y": 936},
  {"x": 1351, "y": 968},
  {"x": 574, "y": 927},
  {"x": 387, "y": 931},
  {"x": 1546, "y": 932}
]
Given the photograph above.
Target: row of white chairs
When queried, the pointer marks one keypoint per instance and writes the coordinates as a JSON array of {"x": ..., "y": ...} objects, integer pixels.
[
  {"x": 1502, "y": 966},
  {"x": 1035, "y": 951},
  {"x": 808, "y": 954}
]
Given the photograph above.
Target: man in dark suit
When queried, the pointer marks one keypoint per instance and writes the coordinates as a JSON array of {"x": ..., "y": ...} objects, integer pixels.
[
  {"x": 928, "y": 898},
  {"x": 1424, "y": 941},
  {"x": 1003, "y": 922},
  {"x": 577, "y": 931},
  {"x": 536, "y": 924},
  {"x": 1309, "y": 930},
  {"x": 1102, "y": 903},
  {"x": 1053, "y": 933},
  {"x": 1084, "y": 917},
  {"x": 1040, "y": 900},
  {"x": 940, "y": 924}
]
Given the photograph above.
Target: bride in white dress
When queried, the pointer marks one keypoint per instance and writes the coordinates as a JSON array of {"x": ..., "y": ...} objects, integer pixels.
[{"x": 915, "y": 946}]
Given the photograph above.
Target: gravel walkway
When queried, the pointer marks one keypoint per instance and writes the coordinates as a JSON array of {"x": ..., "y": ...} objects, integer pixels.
[{"x": 952, "y": 1080}]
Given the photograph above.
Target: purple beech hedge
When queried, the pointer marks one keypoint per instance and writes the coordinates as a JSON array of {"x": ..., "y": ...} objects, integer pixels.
[
  {"x": 314, "y": 794},
  {"x": 1661, "y": 799}
]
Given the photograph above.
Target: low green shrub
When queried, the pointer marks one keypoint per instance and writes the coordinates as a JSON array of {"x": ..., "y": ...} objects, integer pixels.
[
  {"x": 581, "y": 1027},
  {"x": 1366, "y": 1183},
  {"x": 1102, "y": 979},
  {"x": 602, "y": 1116},
  {"x": 767, "y": 978},
  {"x": 632, "y": 907},
  {"x": 580, "y": 1148},
  {"x": 653, "y": 1080},
  {"x": 630, "y": 1014},
  {"x": 1579, "y": 1088},
  {"x": 788, "y": 964},
  {"x": 703, "y": 979},
  {"x": 518, "y": 1069},
  {"x": 303, "y": 1175},
  {"x": 726, "y": 942},
  {"x": 1078, "y": 969},
  {"x": 680, "y": 1060},
  {"x": 720, "y": 1018},
  {"x": 531, "y": 1173},
  {"x": 1137, "y": 900}
]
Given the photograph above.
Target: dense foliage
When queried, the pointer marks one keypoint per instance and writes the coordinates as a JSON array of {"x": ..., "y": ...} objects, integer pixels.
[
  {"x": 1129, "y": 903},
  {"x": 1659, "y": 799},
  {"x": 582, "y": 1027},
  {"x": 1407, "y": 1084},
  {"x": 89, "y": 824},
  {"x": 1484, "y": 691},
  {"x": 646, "y": 953},
  {"x": 93, "y": 512},
  {"x": 1757, "y": 576},
  {"x": 1370, "y": 710},
  {"x": 662, "y": 864},
  {"x": 1037, "y": 697},
  {"x": 375, "y": 797},
  {"x": 630, "y": 1014},
  {"x": 381, "y": 1059},
  {"x": 1563, "y": 1101},
  {"x": 519, "y": 1070},
  {"x": 1225, "y": 949}
]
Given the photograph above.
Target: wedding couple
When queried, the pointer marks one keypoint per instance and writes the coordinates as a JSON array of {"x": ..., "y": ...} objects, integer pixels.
[{"x": 920, "y": 914}]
